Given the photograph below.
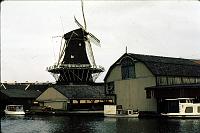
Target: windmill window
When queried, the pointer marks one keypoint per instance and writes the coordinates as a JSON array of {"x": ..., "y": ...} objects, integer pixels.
[
  {"x": 127, "y": 68},
  {"x": 79, "y": 44},
  {"x": 72, "y": 57}
]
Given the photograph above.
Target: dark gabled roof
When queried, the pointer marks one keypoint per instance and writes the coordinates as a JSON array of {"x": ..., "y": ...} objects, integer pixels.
[
  {"x": 18, "y": 90},
  {"x": 161, "y": 59},
  {"x": 19, "y": 93},
  {"x": 164, "y": 66},
  {"x": 168, "y": 66},
  {"x": 82, "y": 91}
]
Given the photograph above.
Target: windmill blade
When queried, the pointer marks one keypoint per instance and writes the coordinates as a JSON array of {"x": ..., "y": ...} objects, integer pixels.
[
  {"x": 90, "y": 53},
  {"x": 61, "y": 50},
  {"x": 83, "y": 15},
  {"x": 56, "y": 36},
  {"x": 94, "y": 39},
  {"x": 76, "y": 21}
]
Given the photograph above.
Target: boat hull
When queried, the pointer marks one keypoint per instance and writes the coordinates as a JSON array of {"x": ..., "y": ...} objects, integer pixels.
[
  {"x": 121, "y": 116},
  {"x": 14, "y": 112},
  {"x": 176, "y": 115}
]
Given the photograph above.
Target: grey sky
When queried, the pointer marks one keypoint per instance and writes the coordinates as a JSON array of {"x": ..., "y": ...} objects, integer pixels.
[{"x": 164, "y": 28}]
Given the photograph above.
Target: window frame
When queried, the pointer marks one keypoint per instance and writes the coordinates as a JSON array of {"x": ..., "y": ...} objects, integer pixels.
[
  {"x": 189, "y": 109},
  {"x": 148, "y": 94},
  {"x": 128, "y": 69}
]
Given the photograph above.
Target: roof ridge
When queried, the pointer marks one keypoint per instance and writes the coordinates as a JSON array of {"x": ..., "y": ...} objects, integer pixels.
[
  {"x": 190, "y": 62},
  {"x": 161, "y": 56}
]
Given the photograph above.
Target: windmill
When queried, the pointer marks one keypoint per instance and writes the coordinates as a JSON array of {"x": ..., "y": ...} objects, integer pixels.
[{"x": 76, "y": 64}]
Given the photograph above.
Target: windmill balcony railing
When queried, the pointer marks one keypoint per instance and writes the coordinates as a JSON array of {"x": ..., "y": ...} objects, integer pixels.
[{"x": 74, "y": 66}]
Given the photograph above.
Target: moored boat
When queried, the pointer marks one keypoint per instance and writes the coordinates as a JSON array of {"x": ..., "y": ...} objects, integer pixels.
[
  {"x": 116, "y": 111},
  {"x": 122, "y": 115},
  {"x": 181, "y": 108},
  {"x": 14, "y": 110}
]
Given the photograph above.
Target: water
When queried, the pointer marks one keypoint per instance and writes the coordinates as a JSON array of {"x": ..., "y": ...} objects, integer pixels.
[{"x": 92, "y": 124}]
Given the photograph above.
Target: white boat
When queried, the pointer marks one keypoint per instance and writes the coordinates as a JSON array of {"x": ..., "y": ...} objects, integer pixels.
[
  {"x": 122, "y": 115},
  {"x": 181, "y": 108},
  {"x": 14, "y": 110},
  {"x": 115, "y": 112}
]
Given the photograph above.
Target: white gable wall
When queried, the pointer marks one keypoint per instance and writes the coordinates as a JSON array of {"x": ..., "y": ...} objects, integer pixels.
[
  {"x": 52, "y": 97},
  {"x": 131, "y": 93}
]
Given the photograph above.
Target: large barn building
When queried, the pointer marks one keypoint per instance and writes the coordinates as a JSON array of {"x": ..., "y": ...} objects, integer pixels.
[{"x": 142, "y": 82}]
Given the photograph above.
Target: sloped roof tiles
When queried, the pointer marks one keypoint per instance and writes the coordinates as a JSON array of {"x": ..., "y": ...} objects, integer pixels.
[
  {"x": 168, "y": 66},
  {"x": 22, "y": 90},
  {"x": 82, "y": 91}
]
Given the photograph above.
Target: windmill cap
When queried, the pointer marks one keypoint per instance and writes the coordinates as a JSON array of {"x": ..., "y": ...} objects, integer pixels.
[{"x": 78, "y": 33}]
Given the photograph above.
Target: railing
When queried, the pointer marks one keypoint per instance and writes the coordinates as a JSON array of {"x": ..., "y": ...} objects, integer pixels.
[{"x": 73, "y": 66}]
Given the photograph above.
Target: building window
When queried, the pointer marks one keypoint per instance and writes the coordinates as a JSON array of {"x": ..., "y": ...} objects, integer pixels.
[
  {"x": 148, "y": 94},
  {"x": 110, "y": 88},
  {"x": 127, "y": 68}
]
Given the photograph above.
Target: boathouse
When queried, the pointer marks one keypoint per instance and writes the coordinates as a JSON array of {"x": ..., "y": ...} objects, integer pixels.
[
  {"x": 20, "y": 93},
  {"x": 75, "y": 97},
  {"x": 142, "y": 82}
]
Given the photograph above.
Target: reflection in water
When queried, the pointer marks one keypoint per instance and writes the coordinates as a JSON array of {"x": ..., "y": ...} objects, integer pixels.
[
  {"x": 147, "y": 126},
  {"x": 92, "y": 124},
  {"x": 105, "y": 125}
]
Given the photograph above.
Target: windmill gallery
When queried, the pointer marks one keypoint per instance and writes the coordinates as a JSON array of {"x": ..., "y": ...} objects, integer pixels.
[{"x": 135, "y": 82}]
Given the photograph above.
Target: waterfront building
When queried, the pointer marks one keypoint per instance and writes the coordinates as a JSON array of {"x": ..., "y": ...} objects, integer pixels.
[
  {"x": 142, "y": 82},
  {"x": 61, "y": 97},
  {"x": 75, "y": 97},
  {"x": 20, "y": 93}
]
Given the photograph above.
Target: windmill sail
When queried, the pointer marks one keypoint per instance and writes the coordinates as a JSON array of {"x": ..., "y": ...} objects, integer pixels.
[
  {"x": 90, "y": 53},
  {"x": 76, "y": 21}
]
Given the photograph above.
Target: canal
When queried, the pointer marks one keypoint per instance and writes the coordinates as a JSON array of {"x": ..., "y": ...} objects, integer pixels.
[{"x": 93, "y": 124}]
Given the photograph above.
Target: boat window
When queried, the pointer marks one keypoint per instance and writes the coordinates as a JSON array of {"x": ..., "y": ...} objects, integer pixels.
[
  {"x": 189, "y": 110},
  {"x": 11, "y": 108},
  {"x": 182, "y": 101},
  {"x": 198, "y": 109}
]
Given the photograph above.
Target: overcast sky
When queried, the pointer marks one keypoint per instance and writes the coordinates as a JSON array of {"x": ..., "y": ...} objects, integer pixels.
[{"x": 164, "y": 28}]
